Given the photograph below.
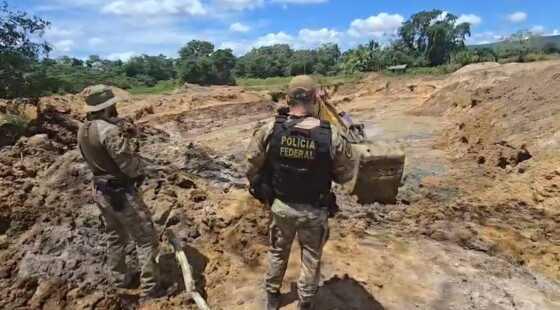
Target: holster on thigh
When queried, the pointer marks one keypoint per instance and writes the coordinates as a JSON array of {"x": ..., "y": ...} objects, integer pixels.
[{"x": 115, "y": 193}]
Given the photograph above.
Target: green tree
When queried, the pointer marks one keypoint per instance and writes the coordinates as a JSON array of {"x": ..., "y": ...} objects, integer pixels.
[
  {"x": 366, "y": 57},
  {"x": 439, "y": 44},
  {"x": 466, "y": 57},
  {"x": 550, "y": 48},
  {"x": 20, "y": 47},
  {"x": 328, "y": 56},
  {"x": 266, "y": 61},
  {"x": 302, "y": 62},
  {"x": 196, "y": 49},
  {"x": 223, "y": 62},
  {"x": 194, "y": 65},
  {"x": 93, "y": 59},
  {"x": 434, "y": 35},
  {"x": 486, "y": 54},
  {"x": 197, "y": 71},
  {"x": 199, "y": 63},
  {"x": 157, "y": 68},
  {"x": 522, "y": 40}
]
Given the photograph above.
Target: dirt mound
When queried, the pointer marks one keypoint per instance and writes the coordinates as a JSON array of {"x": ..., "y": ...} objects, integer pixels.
[
  {"x": 51, "y": 231},
  {"x": 476, "y": 67},
  {"x": 461, "y": 91},
  {"x": 504, "y": 141},
  {"x": 58, "y": 116},
  {"x": 51, "y": 226},
  {"x": 485, "y": 186},
  {"x": 520, "y": 110}
]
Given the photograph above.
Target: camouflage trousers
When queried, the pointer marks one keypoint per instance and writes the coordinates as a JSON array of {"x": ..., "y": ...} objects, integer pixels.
[
  {"x": 310, "y": 224},
  {"x": 127, "y": 218}
]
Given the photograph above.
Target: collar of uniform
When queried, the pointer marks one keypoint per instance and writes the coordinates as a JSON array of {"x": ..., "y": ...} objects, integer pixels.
[
  {"x": 308, "y": 123},
  {"x": 299, "y": 116}
]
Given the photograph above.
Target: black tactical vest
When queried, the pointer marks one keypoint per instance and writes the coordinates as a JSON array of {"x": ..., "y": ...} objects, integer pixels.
[{"x": 300, "y": 161}]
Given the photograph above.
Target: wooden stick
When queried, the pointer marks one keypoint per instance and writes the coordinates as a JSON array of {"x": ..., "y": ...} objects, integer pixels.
[
  {"x": 189, "y": 283},
  {"x": 186, "y": 269}
]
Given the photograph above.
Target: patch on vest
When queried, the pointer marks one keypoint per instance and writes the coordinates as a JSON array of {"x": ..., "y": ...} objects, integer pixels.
[{"x": 295, "y": 147}]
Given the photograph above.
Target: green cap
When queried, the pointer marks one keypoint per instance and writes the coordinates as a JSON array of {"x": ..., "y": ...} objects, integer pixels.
[
  {"x": 302, "y": 89},
  {"x": 99, "y": 97}
]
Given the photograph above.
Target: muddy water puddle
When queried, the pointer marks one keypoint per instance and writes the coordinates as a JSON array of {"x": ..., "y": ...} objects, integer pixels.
[{"x": 416, "y": 135}]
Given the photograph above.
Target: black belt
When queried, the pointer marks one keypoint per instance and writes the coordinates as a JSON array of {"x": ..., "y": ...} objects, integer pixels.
[
  {"x": 105, "y": 181},
  {"x": 318, "y": 202}
]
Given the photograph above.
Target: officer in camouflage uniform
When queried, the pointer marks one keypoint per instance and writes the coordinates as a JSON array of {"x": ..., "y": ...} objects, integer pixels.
[
  {"x": 117, "y": 169},
  {"x": 300, "y": 156}
]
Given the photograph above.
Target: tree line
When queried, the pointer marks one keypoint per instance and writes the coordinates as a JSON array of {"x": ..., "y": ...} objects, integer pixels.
[{"x": 426, "y": 39}]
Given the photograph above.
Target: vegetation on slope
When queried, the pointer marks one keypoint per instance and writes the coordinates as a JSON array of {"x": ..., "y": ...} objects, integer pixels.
[{"x": 433, "y": 47}]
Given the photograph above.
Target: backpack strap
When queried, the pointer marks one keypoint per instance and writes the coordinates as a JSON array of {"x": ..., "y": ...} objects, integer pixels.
[{"x": 324, "y": 133}]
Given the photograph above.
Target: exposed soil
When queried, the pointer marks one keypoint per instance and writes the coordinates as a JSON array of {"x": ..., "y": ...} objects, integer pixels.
[{"x": 477, "y": 224}]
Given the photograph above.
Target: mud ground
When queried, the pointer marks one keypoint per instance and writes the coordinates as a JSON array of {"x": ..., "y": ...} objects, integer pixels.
[{"x": 476, "y": 226}]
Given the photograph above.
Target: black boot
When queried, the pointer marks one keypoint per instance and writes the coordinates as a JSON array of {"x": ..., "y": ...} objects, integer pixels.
[
  {"x": 272, "y": 301},
  {"x": 131, "y": 280},
  {"x": 158, "y": 291},
  {"x": 305, "y": 305}
]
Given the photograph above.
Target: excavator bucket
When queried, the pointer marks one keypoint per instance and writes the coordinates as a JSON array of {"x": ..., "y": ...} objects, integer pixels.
[
  {"x": 381, "y": 166},
  {"x": 379, "y": 173}
]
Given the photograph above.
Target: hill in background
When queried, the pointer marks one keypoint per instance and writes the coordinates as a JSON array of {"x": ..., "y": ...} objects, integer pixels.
[{"x": 532, "y": 43}]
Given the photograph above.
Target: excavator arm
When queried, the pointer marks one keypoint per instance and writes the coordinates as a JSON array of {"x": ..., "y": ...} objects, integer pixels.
[
  {"x": 354, "y": 132},
  {"x": 381, "y": 165}
]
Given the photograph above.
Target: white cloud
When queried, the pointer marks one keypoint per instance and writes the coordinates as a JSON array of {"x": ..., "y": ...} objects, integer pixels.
[
  {"x": 239, "y": 5},
  {"x": 472, "y": 19},
  {"x": 80, "y": 2},
  {"x": 306, "y": 38},
  {"x": 377, "y": 26},
  {"x": 554, "y": 32},
  {"x": 54, "y": 33},
  {"x": 238, "y": 48},
  {"x": 95, "y": 41},
  {"x": 440, "y": 18},
  {"x": 64, "y": 46},
  {"x": 274, "y": 38},
  {"x": 121, "y": 56},
  {"x": 153, "y": 7},
  {"x": 537, "y": 29},
  {"x": 517, "y": 17},
  {"x": 162, "y": 36},
  {"x": 239, "y": 27},
  {"x": 309, "y": 37},
  {"x": 485, "y": 37},
  {"x": 300, "y": 1},
  {"x": 55, "y": 5}
]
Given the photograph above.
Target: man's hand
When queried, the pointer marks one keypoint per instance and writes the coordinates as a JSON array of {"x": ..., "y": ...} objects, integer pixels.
[
  {"x": 332, "y": 206},
  {"x": 261, "y": 190}
]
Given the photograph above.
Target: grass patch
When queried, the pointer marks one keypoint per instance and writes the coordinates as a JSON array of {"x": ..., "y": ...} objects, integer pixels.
[
  {"x": 341, "y": 79},
  {"x": 277, "y": 84},
  {"x": 531, "y": 57},
  {"x": 14, "y": 120},
  {"x": 270, "y": 84},
  {"x": 161, "y": 87},
  {"x": 438, "y": 70}
]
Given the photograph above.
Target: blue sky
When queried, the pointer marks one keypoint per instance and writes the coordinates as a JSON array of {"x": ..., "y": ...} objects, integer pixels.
[{"x": 122, "y": 28}]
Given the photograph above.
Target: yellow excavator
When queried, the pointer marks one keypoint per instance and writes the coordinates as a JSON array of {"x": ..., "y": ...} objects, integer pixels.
[{"x": 381, "y": 166}]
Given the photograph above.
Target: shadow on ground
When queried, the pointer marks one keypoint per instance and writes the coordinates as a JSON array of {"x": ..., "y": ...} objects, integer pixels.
[
  {"x": 171, "y": 272},
  {"x": 339, "y": 294}
]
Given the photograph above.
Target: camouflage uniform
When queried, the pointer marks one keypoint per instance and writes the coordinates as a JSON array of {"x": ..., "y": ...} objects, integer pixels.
[
  {"x": 309, "y": 222},
  {"x": 125, "y": 214}
]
